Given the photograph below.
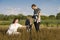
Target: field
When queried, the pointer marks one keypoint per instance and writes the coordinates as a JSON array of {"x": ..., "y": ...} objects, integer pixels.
[
  {"x": 47, "y": 32},
  {"x": 44, "y": 34}
]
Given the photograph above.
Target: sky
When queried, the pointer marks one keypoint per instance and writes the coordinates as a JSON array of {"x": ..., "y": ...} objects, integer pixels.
[{"x": 48, "y": 7}]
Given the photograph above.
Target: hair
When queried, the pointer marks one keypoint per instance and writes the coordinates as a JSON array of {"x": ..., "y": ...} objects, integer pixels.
[
  {"x": 33, "y": 5},
  {"x": 14, "y": 20}
]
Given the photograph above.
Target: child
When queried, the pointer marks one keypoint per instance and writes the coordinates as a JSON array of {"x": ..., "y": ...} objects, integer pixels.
[
  {"x": 28, "y": 24},
  {"x": 36, "y": 16},
  {"x": 13, "y": 27}
]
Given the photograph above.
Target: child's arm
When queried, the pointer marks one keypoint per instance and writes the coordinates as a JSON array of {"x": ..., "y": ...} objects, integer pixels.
[{"x": 21, "y": 25}]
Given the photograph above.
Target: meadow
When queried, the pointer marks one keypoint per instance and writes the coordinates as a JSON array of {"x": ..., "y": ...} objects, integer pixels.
[
  {"x": 43, "y": 34},
  {"x": 47, "y": 32}
]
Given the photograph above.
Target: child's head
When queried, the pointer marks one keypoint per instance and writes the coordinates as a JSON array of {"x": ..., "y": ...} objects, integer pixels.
[
  {"x": 33, "y": 6},
  {"x": 30, "y": 18},
  {"x": 15, "y": 20}
]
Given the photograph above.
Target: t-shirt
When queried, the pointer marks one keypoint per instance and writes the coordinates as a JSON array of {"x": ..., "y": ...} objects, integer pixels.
[
  {"x": 13, "y": 28},
  {"x": 36, "y": 13}
]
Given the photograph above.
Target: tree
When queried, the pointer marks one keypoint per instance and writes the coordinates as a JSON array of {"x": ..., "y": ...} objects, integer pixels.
[
  {"x": 5, "y": 17},
  {"x": 11, "y": 17},
  {"x": 58, "y": 16},
  {"x": 21, "y": 16},
  {"x": 1, "y": 16},
  {"x": 44, "y": 17},
  {"x": 52, "y": 17}
]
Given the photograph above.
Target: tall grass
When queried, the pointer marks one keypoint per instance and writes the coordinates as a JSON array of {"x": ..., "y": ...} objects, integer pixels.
[{"x": 44, "y": 34}]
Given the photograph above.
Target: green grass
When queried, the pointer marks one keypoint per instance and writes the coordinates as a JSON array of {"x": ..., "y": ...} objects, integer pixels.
[
  {"x": 9, "y": 22},
  {"x": 44, "y": 22}
]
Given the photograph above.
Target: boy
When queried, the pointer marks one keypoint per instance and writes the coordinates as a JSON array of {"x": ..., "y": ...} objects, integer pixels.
[
  {"x": 36, "y": 16},
  {"x": 28, "y": 24}
]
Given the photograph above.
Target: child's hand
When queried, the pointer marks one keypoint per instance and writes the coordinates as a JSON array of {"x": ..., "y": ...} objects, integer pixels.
[{"x": 23, "y": 26}]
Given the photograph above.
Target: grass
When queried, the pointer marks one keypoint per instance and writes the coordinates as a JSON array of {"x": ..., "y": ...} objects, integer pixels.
[
  {"x": 44, "y": 34},
  {"x": 48, "y": 31},
  {"x": 44, "y": 23}
]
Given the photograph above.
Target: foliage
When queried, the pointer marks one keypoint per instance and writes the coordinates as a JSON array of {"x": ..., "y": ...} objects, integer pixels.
[
  {"x": 23, "y": 17},
  {"x": 52, "y": 17},
  {"x": 58, "y": 16}
]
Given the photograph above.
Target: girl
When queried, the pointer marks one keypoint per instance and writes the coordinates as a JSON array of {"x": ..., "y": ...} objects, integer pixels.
[{"x": 13, "y": 27}]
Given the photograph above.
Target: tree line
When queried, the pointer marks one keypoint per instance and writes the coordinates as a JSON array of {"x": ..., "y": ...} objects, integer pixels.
[{"x": 23, "y": 17}]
